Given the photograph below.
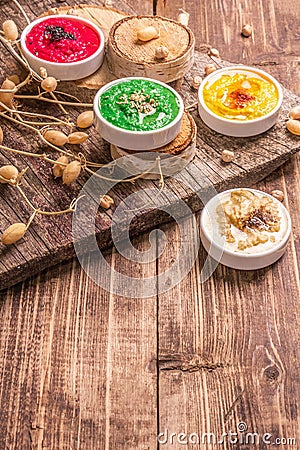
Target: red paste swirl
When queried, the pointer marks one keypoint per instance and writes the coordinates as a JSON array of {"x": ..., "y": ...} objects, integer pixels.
[
  {"x": 239, "y": 99},
  {"x": 62, "y": 40}
]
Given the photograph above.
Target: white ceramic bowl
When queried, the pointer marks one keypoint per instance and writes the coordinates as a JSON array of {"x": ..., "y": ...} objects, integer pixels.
[
  {"x": 65, "y": 71},
  {"x": 261, "y": 255},
  {"x": 236, "y": 127},
  {"x": 137, "y": 140}
]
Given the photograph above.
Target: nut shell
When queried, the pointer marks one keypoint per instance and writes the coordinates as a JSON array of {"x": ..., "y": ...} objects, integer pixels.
[
  {"x": 59, "y": 167},
  {"x": 227, "y": 156},
  {"x": 147, "y": 34},
  {"x": 13, "y": 233},
  {"x": 246, "y": 30},
  {"x": 279, "y": 195},
  {"x": 78, "y": 137},
  {"x": 210, "y": 68},
  {"x": 56, "y": 137},
  {"x": 295, "y": 112},
  {"x": 293, "y": 126},
  {"x": 71, "y": 172},
  {"x": 7, "y": 97},
  {"x": 85, "y": 119},
  {"x": 8, "y": 172},
  {"x": 49, "y": 84},
  {"x": 10, "y": 30},
  {"x": 106, "y": 201},
  {"x": 161, "y": 52}
]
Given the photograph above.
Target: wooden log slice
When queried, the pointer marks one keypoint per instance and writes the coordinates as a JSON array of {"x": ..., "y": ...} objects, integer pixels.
[
  {"x": 181, "y": 149},
  {"x": 127, "y": 56}
]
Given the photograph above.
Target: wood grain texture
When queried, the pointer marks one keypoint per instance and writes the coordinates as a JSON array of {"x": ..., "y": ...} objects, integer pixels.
[
  {"x": 70, "y": 355},
  {"x": 228, "y": 349},
  {"x": 48, "y": 242}
]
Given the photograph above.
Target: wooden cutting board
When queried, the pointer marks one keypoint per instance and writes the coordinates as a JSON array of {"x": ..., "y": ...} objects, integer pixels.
[{"x": 49, "y": 240}]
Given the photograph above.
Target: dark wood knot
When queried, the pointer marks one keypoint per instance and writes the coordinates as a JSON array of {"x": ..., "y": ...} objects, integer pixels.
[{"x": 272, "y": 373}]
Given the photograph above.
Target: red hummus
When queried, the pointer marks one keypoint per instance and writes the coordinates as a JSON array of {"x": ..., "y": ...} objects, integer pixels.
[{"x": 62, "y": 40}]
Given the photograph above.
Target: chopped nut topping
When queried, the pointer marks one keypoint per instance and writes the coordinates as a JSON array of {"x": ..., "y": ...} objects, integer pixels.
[{"x": 143, "y": 103}]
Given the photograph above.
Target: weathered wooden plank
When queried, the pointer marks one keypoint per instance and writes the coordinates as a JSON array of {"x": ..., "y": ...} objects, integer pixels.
[
  {"x": 78, "y": 364},
  {"x": 225, "y": 349},
  {"x": 258, "y": 156},
  {"x": 229, "y": 347},
  {"x": 274, "y": 45}
]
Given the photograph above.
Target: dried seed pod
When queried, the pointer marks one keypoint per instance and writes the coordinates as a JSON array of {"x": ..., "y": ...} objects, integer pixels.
[
  {"x": 214, "y": 52},
  {"x": 71, "y": 172},
  {"x": 147, "y": 34},
  {"x": 43, "y": 72},
  {"x": 246, "y": 30},
  {"x": 8, "y": 172},
  {"x": 197, "y": 80},
  {"x": 13, "y": 233},
  {"x": 7, "y": 97},
  {"x": 210, "y": 68},
  {"x": 227, "y": 156},
  {"x": 1, "y": 135},
  {"x": 14, "y": 78},
  {"x": 78, "y": 137},
  {"x": 293, "y": 126},
  {"x": 295, "y": 112},
  {"x": 279, "y": 195},
  {"x": 56, "y": 137},
  {"x": 10, "y": 30},
  {"x": 60, "y": 165},
  {"x": 183, "y": 18},
  {"x": 85, "y": 119},
  {"x": 161, "y": 52},
  {"x": 106, "y": 201},
  {"x": 49, "y": 84}
]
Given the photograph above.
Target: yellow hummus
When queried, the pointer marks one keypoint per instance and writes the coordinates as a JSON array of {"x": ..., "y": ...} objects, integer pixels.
[{"x": 240, "y": 95}]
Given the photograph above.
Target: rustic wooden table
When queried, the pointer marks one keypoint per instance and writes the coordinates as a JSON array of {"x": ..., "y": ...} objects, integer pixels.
[{"x": 82, "y": 368}]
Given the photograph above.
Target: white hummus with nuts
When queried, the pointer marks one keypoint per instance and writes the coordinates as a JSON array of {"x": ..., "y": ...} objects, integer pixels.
[{"x": 247, "y": 222}]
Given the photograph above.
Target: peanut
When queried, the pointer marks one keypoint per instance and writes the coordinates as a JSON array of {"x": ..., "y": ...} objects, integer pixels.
[
  {"x": 183, "y": 18},
  {"x": 60, "y": 165},
  {"x": 106, "y": 201},
  {"x": 214, "y": 52},
  {"x": 227, "y": 156},
  {"x": 161, "y": 52},
  {"x": 279, "y": 195},
  {"x": 210, "y": 68},
  {"x": 295, "y": 112},
  {"x": 71, "y": 172},
  {"x": 49, "y": 84},
  {"x": 78, "y": 137},
  {"x": 10, "y": 30},
  {"x": 293, "y": 126},
  {"x": 197, "y": 80},
  {"x": 147, "y": 34},
  {"x": 7, "y": 97},
  {"x": 246, "y": 30},
  {"x": 13, "y": 233},
  {"x": 43, "y": 72},
  {"x": 85, "y": 119},
  {"x": 55, "y": 137},
  {"x": 8, "y": 172}
]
